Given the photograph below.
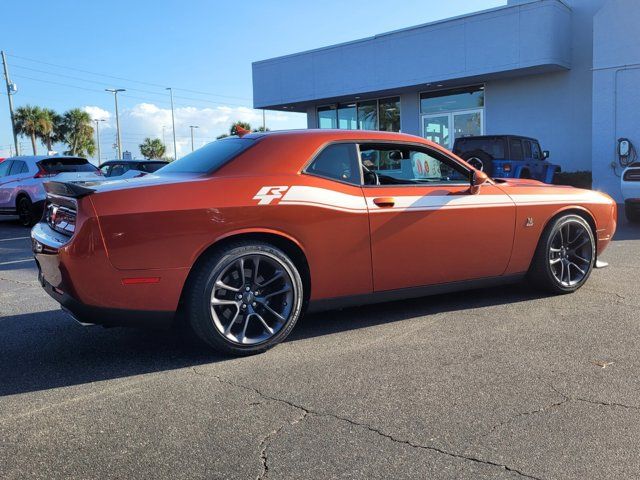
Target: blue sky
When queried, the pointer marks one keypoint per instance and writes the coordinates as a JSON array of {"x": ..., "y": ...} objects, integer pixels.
[{"x": 198, "y": 45}]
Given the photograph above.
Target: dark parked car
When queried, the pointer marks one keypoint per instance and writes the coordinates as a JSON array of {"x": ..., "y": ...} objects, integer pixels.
[
  {"x": 117, "y": 168},
  {"x": 507, "y": 156}
]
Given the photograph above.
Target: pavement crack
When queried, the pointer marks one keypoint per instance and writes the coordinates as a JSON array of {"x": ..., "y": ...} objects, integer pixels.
[
  {"x": 308, "y": 412},
  {"x": 514, "y": 418},
  {"x": 606, "y": 404},
  {"x": 264, "y": 473}
]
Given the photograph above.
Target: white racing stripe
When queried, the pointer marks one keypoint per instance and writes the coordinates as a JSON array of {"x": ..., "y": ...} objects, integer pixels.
[{"x": 331, "y": 199}]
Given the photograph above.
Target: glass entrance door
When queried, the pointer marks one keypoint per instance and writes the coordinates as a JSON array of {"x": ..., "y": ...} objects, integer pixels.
[
  {"x": 436, "y": 128},
  {"x": 444, "y": 128}
]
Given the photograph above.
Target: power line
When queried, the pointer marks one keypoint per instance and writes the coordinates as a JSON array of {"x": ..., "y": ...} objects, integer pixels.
[{"x": 199, "y": 92}]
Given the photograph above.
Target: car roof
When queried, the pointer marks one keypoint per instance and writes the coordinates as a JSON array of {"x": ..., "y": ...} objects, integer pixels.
[
  {"x": 38, "y": 158},
  {"x": 474, "y": 137},
  {"x": 112, "y": 162},
  {"x": 334, "y": 134}
]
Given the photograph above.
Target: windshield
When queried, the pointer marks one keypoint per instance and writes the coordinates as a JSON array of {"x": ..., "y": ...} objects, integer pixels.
[
  {"x": 208, "y": 158},
  {"x": 491, "y": 146},
  {"x": 53, "y": 166}
]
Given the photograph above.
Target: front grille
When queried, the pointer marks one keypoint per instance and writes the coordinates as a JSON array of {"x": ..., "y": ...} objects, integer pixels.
[{"x": 632, "y": 175}]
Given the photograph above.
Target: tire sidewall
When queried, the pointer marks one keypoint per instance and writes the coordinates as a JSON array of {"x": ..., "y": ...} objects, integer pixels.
[
  {"x": 559, "y": 223},
  {"x": 25, "y": 203},
  {"x": 220, "y": 262}
]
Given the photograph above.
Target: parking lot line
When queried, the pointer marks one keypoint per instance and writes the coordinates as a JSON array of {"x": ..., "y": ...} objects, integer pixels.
[
  {"x": 17, "y": 261},
  {"x": 11, "y": 239}
]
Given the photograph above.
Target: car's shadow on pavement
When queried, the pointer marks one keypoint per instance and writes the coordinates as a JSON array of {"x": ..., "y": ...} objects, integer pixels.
[{"x": 45, "y": 350}]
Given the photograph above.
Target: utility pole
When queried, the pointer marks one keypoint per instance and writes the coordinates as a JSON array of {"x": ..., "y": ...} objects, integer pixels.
[
  {"x": 115, "y": 92},
  {"x": 173, "y": 124},
  {"x": 98, "y": 139},
  {"x": 264, "y": 121},
  {"x": 192, "y": 127},
  {"x": 11, "y": 89}
]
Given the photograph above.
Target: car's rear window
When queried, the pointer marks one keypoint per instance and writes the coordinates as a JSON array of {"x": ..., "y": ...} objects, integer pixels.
[
  {"x": 491, "y": 146},
  {"x": 208, "y": 158},
  {"x": 64, "y": 165},
  {"x": 151, "y": 166}
]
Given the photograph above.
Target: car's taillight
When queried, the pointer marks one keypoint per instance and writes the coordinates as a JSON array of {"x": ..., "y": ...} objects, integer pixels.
[
  {"x": 506, "y": 167},
  {"x": 43, "y": 174},
  {"x": 61, "y": 218}
]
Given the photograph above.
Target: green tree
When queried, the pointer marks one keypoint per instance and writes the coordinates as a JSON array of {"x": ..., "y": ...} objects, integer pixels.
[
  {"x": 51, "y": 128},
  {"x": 77, "y": 133},
  {"x": 152, "y": 148},
  {"x": 29, "y": 121}
]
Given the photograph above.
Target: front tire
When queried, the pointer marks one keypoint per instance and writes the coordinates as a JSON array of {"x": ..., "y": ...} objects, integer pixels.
[
  {"x": 245, "y": 298},
  {"x": 565, "y": 255}
]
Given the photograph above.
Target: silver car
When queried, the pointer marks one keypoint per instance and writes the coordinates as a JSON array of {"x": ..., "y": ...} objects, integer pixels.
[{"x": 22, "y": 178}]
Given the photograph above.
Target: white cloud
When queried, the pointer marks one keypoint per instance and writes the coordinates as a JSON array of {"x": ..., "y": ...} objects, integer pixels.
[{"x": 147, "y": 120}]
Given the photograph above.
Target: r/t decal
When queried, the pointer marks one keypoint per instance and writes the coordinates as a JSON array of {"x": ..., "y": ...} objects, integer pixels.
[{"x": 267, "y": 194}]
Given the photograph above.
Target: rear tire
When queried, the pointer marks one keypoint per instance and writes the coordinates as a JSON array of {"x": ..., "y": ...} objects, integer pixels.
[
  {"x": 245, "y": 298},
  {"x": 565, "y": 255},
  {"x": 24, "y": 209}
]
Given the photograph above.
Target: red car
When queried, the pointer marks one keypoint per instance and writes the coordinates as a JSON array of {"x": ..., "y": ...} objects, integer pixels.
[{"x": 247, "y": 233}]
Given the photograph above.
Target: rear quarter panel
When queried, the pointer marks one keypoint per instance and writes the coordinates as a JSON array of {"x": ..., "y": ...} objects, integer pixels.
[{"x": 169, "y": 226}]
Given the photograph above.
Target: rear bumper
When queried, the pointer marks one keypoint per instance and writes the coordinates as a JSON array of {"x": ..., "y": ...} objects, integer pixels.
[
  {"x": 78, "y": 275},
  {"x": 108, "y": 317}
]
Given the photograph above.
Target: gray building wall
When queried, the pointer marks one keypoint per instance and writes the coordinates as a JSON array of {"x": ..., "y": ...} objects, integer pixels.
[{"x": 616, "y": 89}]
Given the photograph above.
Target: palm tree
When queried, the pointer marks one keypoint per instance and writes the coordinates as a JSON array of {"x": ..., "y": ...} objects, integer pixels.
[
  {"x": 152, "y": 148},
  {"x": 51, "y": 128},
  {"x": 77, "y": 132},
  {"x": 29, "y": 122}
]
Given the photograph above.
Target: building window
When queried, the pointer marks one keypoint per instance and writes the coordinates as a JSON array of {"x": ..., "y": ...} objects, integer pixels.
[
  {"x": 347, "y": 117},
  {"x": 468, "y": 98},
  {"x": 383, "y": 114},
  {"x": 327, "y": 117},
  {"x": 389, "y": 115}
]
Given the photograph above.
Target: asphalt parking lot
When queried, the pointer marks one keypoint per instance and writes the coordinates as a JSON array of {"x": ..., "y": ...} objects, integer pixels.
[{"x": 503, "y": 383}]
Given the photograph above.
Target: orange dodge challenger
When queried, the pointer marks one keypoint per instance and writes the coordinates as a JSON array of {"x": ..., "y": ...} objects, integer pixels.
[{"x": 245, "y": 234}]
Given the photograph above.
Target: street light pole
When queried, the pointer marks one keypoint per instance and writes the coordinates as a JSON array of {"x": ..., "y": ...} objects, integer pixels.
[
  {"x": 115, "y": 96},
  {"x": 10, "y": 92},
  {"x": 173, "y": 125},
  {"x": 192, "y": 127},
  {"x": 98, "y": 139}
]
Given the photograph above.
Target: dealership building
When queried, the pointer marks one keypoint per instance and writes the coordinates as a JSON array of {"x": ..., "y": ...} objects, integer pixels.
[{"x": 566, "y": 72}]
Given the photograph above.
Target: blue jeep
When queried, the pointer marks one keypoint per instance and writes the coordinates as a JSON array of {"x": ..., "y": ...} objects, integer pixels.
[{"x": 507, "y": 156}]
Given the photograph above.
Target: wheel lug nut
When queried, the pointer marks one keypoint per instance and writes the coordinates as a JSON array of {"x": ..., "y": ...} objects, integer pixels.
[
  {"x": 253, "y": 304},
  {"x": 247, "y": 289},
  {"x": 244, "y": 305}
]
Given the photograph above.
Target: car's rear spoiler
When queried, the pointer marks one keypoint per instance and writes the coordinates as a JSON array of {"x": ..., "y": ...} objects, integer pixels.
[{"x": 67, "y": 189}]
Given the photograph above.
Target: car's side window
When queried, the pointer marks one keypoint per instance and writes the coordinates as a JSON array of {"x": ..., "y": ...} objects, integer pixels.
[
  {"x": 516, "y": 149},
  {"x": 16, "y": 168},
  {"x": 411, "y": 166},
  {"x": 536, "y": 151},
  {"x": 527, "y": 150},
  {"x": 338, "y": 161},
  {"x": 4, "y": 168},
  {"x": 119, "y": 169}
]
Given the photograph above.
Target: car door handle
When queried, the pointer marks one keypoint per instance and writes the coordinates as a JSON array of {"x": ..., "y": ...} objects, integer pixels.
[{"x": 384, "y": 201}]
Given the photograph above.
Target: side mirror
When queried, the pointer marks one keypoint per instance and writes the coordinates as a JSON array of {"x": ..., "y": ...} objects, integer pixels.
[
  {"x": 478, "y": 178},
  {"x": 545, "y": 154}
]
